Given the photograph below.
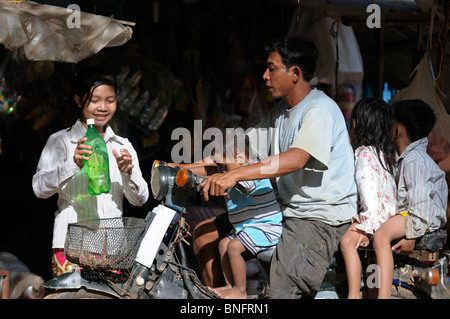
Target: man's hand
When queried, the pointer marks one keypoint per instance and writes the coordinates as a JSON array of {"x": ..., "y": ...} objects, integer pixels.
[
  {"x": 217, "y": 184},
  {"x": 404, "y": 246}
]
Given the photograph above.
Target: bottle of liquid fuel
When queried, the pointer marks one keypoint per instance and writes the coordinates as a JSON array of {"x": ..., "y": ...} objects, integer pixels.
[{"x": 97, "y": 167}]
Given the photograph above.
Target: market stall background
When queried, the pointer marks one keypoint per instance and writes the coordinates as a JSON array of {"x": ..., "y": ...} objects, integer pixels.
[{"x": 195, "y": 59}]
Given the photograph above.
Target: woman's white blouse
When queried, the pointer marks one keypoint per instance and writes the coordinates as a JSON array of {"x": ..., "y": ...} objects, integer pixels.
[{"x": 57, "y": 173}]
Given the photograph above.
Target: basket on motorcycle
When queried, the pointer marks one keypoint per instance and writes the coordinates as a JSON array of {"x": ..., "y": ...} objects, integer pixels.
[{"x": 110, "y": 243}]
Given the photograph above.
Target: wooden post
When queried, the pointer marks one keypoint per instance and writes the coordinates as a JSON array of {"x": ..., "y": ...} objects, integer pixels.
[
  {"x": 441, "y": 44},
  {"x": 5, "y": 291},
  {"x": 379, "y": 34}
]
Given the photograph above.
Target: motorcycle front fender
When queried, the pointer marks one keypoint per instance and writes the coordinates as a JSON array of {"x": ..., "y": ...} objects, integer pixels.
[{"x": 74, "y": 280}]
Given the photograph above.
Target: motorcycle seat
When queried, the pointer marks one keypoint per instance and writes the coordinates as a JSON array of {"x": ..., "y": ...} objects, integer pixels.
[
  {"x": 433, "y": 241},
  {"x": 266, "y": 255},
  {"x": 427, "y": 247}
]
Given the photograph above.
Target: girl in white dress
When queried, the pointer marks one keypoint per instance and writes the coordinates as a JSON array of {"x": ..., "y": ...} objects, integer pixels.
[{"x": 372, "y": 123}]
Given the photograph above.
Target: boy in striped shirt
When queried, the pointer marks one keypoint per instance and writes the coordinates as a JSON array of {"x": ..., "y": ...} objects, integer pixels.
[{"x": 254, "y": 212}]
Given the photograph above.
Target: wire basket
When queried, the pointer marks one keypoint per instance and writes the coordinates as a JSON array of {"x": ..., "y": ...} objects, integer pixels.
[{"x": 110, "y": 243}]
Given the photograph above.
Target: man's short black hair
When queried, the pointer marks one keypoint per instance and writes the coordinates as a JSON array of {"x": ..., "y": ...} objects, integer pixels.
[
  {"x": 297, "y": 51},
  {"x": 417, "y": 117}
]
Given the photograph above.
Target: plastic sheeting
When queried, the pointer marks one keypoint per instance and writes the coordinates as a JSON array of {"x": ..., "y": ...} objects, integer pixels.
[{"x": 49, "y": 33}]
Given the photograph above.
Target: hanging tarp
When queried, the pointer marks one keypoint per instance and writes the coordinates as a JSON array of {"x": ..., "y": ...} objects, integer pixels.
[{"x": 50, "y": 33}]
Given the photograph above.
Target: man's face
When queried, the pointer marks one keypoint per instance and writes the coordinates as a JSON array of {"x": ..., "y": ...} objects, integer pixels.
[{"x": 278, "y": 78}]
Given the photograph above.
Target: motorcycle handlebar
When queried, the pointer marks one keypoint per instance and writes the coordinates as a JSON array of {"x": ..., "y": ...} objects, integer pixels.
[{"x": 186, "y": 178}]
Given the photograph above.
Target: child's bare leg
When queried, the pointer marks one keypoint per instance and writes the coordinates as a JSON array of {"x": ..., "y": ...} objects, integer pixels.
[
  {"x": 393, "y": 228},
  {"x": 225, "y": 262},
  {"x": 237, "y": 263},
  {"x": 352, "y": 262}
]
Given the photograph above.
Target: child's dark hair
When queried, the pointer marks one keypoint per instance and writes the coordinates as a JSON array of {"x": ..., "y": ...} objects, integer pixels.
[
  {"x": 417, "y": 117},
  {"x": 297, "y": 51},
  {"x": 373, "y": 124}
]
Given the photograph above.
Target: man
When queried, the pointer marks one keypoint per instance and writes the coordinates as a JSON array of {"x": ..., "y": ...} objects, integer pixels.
[{"x": 314, "y": 168}]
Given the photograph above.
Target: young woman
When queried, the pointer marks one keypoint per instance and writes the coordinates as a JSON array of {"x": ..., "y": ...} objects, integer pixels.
[
  {"x": 372, "y": 124},
  {"x": 60, "y": 168}
]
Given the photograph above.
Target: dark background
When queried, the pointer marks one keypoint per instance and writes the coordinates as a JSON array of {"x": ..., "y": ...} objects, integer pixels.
[{"x": 216, "y": 44}]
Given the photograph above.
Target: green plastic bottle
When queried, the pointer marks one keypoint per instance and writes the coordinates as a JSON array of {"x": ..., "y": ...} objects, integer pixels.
[{"x": 97, "y": 167}]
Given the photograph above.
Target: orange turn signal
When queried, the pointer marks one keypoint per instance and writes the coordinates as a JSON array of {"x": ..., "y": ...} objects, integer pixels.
[
  {"x": 429, "y": 276},
  {"x": 182, "y": 177},
  {"x": 432, "y": 277}
]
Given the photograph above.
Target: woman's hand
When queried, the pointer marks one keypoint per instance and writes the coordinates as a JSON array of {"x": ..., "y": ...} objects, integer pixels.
[
  {"x": 124, "y": 160},
  {"x": 80, "y": 151}
]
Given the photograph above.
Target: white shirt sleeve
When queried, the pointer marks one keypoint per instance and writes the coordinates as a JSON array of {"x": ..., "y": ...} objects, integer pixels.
[{"x": 55, "y": 167}]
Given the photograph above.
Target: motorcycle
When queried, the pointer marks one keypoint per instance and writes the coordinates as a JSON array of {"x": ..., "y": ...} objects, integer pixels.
[
  {"x": 16, "y": 279},
  {"x": 135, "y": 258},
  {"x": 163, "y": 266},
  {"x": 424, "y": 273}
]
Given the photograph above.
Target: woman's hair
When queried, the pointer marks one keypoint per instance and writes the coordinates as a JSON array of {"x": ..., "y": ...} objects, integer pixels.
[
  {"x": 86, "y": 81},
  {"x": 296, "y": 51},
  {"x": 373, "y": 123}
]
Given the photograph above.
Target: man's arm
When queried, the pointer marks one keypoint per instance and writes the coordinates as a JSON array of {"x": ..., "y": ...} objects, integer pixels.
[
  {"x": 275, "y": 166},
  {"x": 205, "y": 167}
]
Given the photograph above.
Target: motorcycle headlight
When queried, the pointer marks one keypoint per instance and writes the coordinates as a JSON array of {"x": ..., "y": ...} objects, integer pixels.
[
  {"x": 157, "y": 163},
  {"x": 163, "y": 177}
]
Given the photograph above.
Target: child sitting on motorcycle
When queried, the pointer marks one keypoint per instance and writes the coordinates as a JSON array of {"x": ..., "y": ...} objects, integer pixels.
[
  {"x": 422, "y": 189},
  {"x": 372, "y": 124},
  {"x": 253, "y": 211}
]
